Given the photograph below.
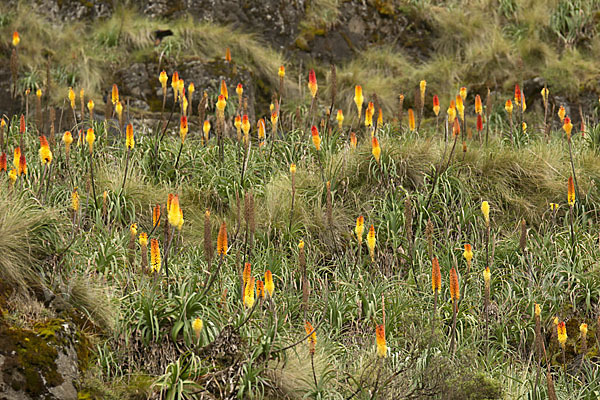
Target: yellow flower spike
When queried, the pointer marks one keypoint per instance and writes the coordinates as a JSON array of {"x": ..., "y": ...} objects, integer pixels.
[
  {"x": 90, "y": 138},
  {"x": 315, "y": 138},
  {"x": 460, "y": 107},
  {"x": 570, "y": 192},
  {"x": 561, "y": 330},
  {"x": 143, "y": 238},
  {"x": 185, "y": 104},
  {"x": 74, "y": 200},
  {"x": 249, "y": 293},
  {"x": 451, "y": 112},
  {"x": 411, "y": 119},
  {"x": 371, "y": 242},
  {"x": 545, "y": 96},
  {"x": 359, "y": 229},
  {"x": 183, "y": 128},
  {"x": 274, "y": 118},
  {"x": 237, "y": 122},
  {"x": 181, "y": 88},
  {"x": 281, "y": 71},
  {"x": 485, "y": 210},
  {"x": 174, "y": 214},
  {"x": 45, "y": 153},
  {"x": 583, "y": 329},
  {"x": 221, "y": 104},
  {"x": 487, "y": 276},
  {"x": 222, "y": 240},
  {"x": 561, "y": 113},
  {"x": 12, "y": 175},
  {"x": 163, "y": 78},
  {"x": 260, "y": 289},
  {"x": 114, "y": 95},
  {"x": 129, "y": 139},
  {"x": 340, "y": 119},
  {"x": 133, "y": 229},
  {"x": 206, "y": 130},
  {"x": 292, "y": 168},
  {"x": 567, "y": 127},
  {"x": 538, "y": 310},
  {"x": 197, "y": 327},
  {"x": 261, "y": 129},
  {"x": 358, "y": 99},
  {"x": 468, "y": 254},
  {"x": 247, "y": 273},
  {"x": 436, "y": 276},
  {"x": 245, "y": 126},
  {"x": 224, "y": 91},
  {"x": 554, "y": 206},
  {"x": 376, "y": 149},
  {"x": 523, "y": 103},
  {"x": 312, "y": 83},
  {"x": 454, "y": 287},
  {"x": 154, "y": 256},
  {"x": 16, "y": 39},
  {"x": 524, "y": 126},
  {"x": 72, "y": 97},
  {"x": 239, "y": 90},
  {"x": 90, "y": 105},
  {"x": 422, "y": 87},
  {"x": 17, "y": 157},
  {"x": 478, "y": 105},
  {"x": 269, "y": 285},
  {"x": 180, "y": 224},
  {"x": 508, "y": 106},
  {"x": 463, "y": 93},
  {"x": 380, "y": 118},
  {"x": 380, "y": 338},
  {"x": 353, "y": 140},
  {"x": 119, "y": 110},
  {"x": 38, "y": 93},
  {"x": 369, "y": 114},
  {"x": 312, "y": 337},
  {"x": 191, "y": 88}
]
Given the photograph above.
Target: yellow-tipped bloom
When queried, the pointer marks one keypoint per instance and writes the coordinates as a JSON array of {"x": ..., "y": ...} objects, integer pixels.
[
  {"x": 156, "y": 216},
  {"x": 163, "y": 78},
  {"x": 114, "y": 95},
  {"x": 281, "y": 71},
  {"x": 133, "y": 230},
  {"x": 183, "y": 128},
  {"x": 312, "y": 337},
  {"x": 538, "y": 310},
  {"x": 436, "y": 276},
  {"x": 451, "y": 112},
  {"x": 463, "y": 93},
  {"x": 312, "y": 83},
  {"x": 221, "y": 104},
  {"x": 197, "y": 327},
  {"x": 72, "y": 97},
  {"x": 460, "y": 107},
  {"x": 583, "y": 329},
  {"x": 369, "y": 114},
  {"x": 340, "y": 118},
  {"x": 478, "y": 106},
  {"x": 292, "y": 168},
  {"x": 468, "y": 254},
  {"x": 154, "y": 256},
  {"x": 524, "y": 127},
  {"x": 174, "y": 213},
  {"x": 206, "y": 130},
  {"x": 561, "y": 330},
  {"x": 16, "y": 39},
  {"x": 17, "y": 157},
  {"x": 239, "y": 90},
  {"x": 380, "y": 337},
  {"x": 90, "y": 105},
  {"x": 12, "y": 175},
  {"x": 316, "y": 139},
  {"x": 508, "y": 106},
  {"x": 359, "y": 229},
  {"x": 269, "y": 285},
  {"x": 45, "y": 153},
  {"x": 411, "y": 119},
  {"x": 554, "y": 206},
  {"x": 545, "y": 96},
  {"x": 371, "y": 242},
  {"x": 353, "y": 140},
  {"x": 38, "y": 93},
  {"x": 191, "y": 88},
  {"x": 143, "y": 239},
  {"x": 454, "y": 288},
  {"x": 74, "y": 199},
  {"x": 119, "y": 110},
  {"x": 485, "y": 210},
  {"x": 487, "y": 276},
  {"x": 422, "y": 87},
  {"x": 90, "y": 138},
  {"x": 260, "y": 289},
  {"x": 237, "y": 122},
  {"x": 245, "y": 126},
  {"x": 561, "y": 113},
  {"x": 249, "y": 293},
  {"x": 222, "y": 240},
  {"x": 436, "y": 105},
  {"x": 570, "y": 192},
  {"x": 523, "y": 103},
  {"x": 261, "y": 129},
  {"x": 376, "y": 149},
  {"x": 567, "y": 127},
  {"x": 380, "y": 118},
  {"x": 358, "y": 99},
  {"x": 129, "y": 140}
]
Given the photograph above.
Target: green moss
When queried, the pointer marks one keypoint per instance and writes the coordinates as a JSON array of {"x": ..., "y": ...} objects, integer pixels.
[{"x": 476, "y": 387}]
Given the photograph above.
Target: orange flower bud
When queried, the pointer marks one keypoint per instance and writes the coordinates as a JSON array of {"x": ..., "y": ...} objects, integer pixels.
[
  {"x": 281, "y": 72},
  {"x": 369, "y": 114},
  {"x": 478, "y": 106},
  {"x": 3, "y": 162},
  {"x": 568, "y": 127},
  {"x": 380, "y": 118},
  {"x": 358, "y": 99},
  {"x": 570, "y": 192},
  {"x": 312, "y": 83},
  {"x": 508, "y": 106},
  {"x": 315, "y": 137},
  {"x": 129, "y": 140},
  {"x": 436, "y": 105},
  {"x": 468, "y": 254},
  {"x": 247, "y": 273},
  {"x": 479, "y": 123},
  {"x": 269, "y": 285},
  {"x": 517, "y": 94},
  {"x": 436, "y": 276},
  {"x": 222, "y": 240},
  {"x": 16, "y": 39},
  {"x": 260, "y": 289},
  {"x": 376, "y": 149},
  {"x": 156, "y": 216},
  {"x": 371, "y": 242},
  {"x": 455, "y": 128},
  {"x": 45, "y": 153},
  {"x": 183, "y": 128},
  {"x": 90, "y": 105},
  {"x": 463, "y": 93},
  {"x": 239, "y": 90},
  {"x": 411, "y": 119},
  {"x": 224, "y": 92},
  {"x": 359, "y": 229},
  {"x": 22, "y": 165},
  {"x": 154, "y": 256},
  {"x": 454, "y": 289},
  {"x": 221, "y": 104},
  {"x": 561, "y": 330},
  {"x": 340, "y": 118},
  {"x": 380, "y": 338},
  {"x": 312, "y": 336},
  {"x": 115, "y": 94},
  {"x": 227, "y": 55},
  {"x": 22, "y": 125},
  {"x": 353, "y": 140}
]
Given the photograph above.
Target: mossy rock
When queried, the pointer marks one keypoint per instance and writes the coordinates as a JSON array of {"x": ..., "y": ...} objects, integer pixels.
[{"x": 474, "y": 387}]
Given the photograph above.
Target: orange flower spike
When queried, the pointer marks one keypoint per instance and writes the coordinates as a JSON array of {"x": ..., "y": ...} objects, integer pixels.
[
  {"x": 411, "y": 119},
  {"x": 22, "y": 165},
  {"x": 567, "y": 127},
  {"x": 227, "y": 55},
  {"x": 238, "y": 123},
  {"x": 247, "y": 273},
  {"x": 561, "y": 330},
  {"x": 16, "y": 39},
  {"x": 340, "y": 119},
  {"x": 274, "y": 118},
  {"x": 269, "y": 285},
  {"x": 460, "y": 107},
  {"x": 45, "y": 153},
  {"x": 561, "y": 113},
  {"x": 72, "y": 97},
  {"x": 479, "y": 123},
  {"x": 358, "y": 99},
  {"x": 222, "y": 240},
  {"x": 468, "y": 254},
  {"x": 436, "y": 105},
  {"x": 90, "y": 138},
  {"x": 451, "y": 112},
  {"x": 517, "y": 94},
  {"x": 456, "y": 128},
  {"x": 315, "y": 137},
  {"x": 17, "y": 157},
  {"x": 260, "y": 289},
  {"x": 454, "y": 288},
  {"x": 154, "y": 256},
  {"x": 206, "y": 129},
  {"x": 376, "y": 149},
  {"x": 380, "y": 118},
  {"x": 129, "y": 139},
  {"x": 353, "y": 140},
  {"x": 436, "y": 276},
  {"x": 523, "y": 103},
  {"x": 22, "y": 125},
  {"x": 261, "y": 129},
  {"x": 174, "y": 213},
  {"x": 380, "y": 339},
  {"x": 114, "y": 94},
  {"x": 359, "y": 229},
  {"x": 156, "y": 216},
  {"x": 246, "y": 127},
  {"x": 570, "y": 192},
  {"x": 312, "y": 83},
  {"x": 224, "y": 92},
  {"x": 169, "y": 201},
  {"x": 371, "y": 242},
  {"x": 312, "y": 336},
  {"x": 183, "y": 128},
  {"x": 478, "y": 106},
  {"x": 508, "y": 106},
  {"x": 3, "y": 162}
]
